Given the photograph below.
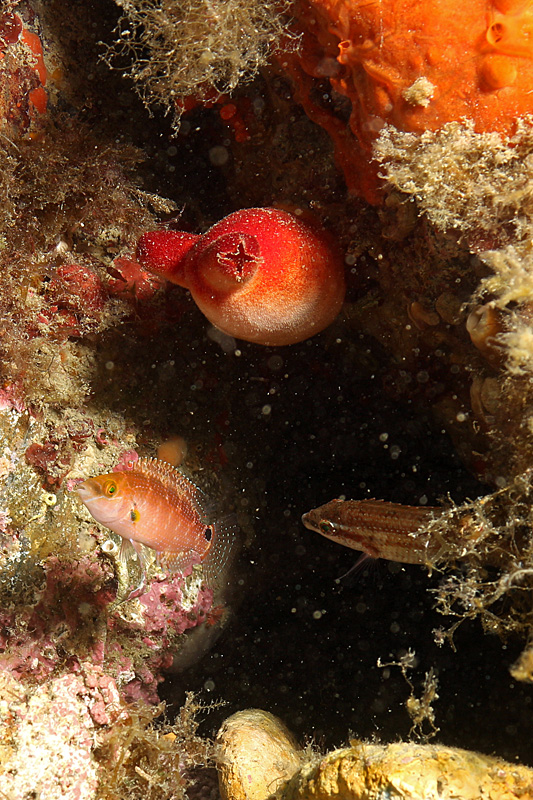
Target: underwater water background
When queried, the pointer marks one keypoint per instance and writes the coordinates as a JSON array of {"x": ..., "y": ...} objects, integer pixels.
[
  {"x": 308, "y": 423},
  {"x": 304, "y": 644}
]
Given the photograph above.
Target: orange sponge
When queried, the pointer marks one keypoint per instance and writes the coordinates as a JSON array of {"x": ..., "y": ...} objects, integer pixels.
[{"x": 415, "y": 64}]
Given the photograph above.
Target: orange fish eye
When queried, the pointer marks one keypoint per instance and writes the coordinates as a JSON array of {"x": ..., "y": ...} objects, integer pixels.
[{"x": 110, "y": 488}]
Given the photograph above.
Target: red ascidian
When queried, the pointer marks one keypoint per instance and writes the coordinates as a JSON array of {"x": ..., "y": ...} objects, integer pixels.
[{"x": 260, "y": 274}]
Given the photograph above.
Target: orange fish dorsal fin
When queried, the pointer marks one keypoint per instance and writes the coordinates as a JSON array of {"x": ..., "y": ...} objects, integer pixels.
[{"x": 172, "y": 479}]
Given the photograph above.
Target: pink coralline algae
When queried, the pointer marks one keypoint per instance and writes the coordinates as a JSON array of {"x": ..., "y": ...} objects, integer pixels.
[
  {"x": 163, "y": 620},
  {"x": 11, "y": 398},
  {"x": 161, "y": 601},
  {"x": 126, "y": 461},
  {"x": 52, "y": 458},
  {"x": 49, "y": 459},
  {"x": 39, "y": 635},
  {"x": 50, "y": 733},
  {"x": 72, "y": 620}
]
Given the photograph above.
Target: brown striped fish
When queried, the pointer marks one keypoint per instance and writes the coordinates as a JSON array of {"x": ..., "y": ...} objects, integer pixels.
[{"x": 376, "y": 528}]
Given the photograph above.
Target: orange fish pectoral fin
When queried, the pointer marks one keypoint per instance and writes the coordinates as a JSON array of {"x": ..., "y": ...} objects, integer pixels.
[
  {"x": 126, "y": 550},
  {"x": 129, "y": 547}
]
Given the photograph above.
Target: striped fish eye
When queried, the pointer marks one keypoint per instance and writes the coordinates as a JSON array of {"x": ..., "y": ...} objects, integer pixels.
[
  {"x": 110, "y": 488},
  {"x": 326, "y": 527}
]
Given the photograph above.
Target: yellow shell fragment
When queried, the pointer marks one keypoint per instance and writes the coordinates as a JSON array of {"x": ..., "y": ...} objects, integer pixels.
[
  {"x": 256, "y": 755},
  {"x": 259, "y": 760}
]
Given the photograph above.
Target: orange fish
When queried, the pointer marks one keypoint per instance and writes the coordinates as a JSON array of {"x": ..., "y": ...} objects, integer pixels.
[{"x": 155, "y": 505}]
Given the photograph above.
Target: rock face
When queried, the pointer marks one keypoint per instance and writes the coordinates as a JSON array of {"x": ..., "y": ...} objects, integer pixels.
[
  {"x": 409, "y": 772},
  {"x": 100, "y": 362},
  {"x": 257, "y": 756}
]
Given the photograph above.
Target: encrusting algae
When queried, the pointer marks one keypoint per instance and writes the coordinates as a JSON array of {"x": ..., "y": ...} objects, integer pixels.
[{"x": 258, "y": 759}]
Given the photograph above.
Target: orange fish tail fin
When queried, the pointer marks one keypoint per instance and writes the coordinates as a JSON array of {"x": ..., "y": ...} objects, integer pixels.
[{"x": 219, "y": 558}]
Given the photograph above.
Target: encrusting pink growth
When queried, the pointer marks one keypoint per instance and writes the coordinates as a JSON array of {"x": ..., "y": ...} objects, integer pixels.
[
  {"x": 259, "y": 274},
  {"x": 73, "y": 623}
]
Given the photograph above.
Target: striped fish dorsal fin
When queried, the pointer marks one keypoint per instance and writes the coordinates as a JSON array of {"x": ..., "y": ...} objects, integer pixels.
[{"x": 172, "y": 478}]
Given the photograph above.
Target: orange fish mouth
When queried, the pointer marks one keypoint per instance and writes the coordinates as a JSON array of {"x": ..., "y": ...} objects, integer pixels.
[{"x": 88, "y": 490}]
